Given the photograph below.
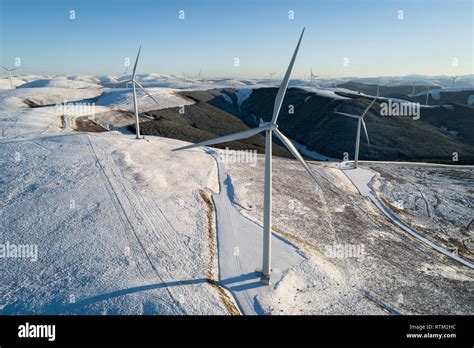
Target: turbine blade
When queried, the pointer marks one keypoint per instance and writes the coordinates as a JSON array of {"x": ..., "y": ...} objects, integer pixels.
[
  {"x": 4, "y": 68},
  {"x": 348, "y": 115},
  {"x": 289, "y": 145},
  {"x": 148, "y": 93},
  {"x": 365, "y": 130},
  {"x": 284, "y": 84},
  {"x": 136, "y": 62},
  {"x": 368, "y": 107},
  {"x": 226, "y": 138}
]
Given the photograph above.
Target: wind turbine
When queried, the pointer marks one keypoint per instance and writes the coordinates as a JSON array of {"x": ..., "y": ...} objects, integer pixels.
[
  {"x": 427, "y": 95},
  {"x": 125, "y": 74},
  {"x": 360, "y": 121},
  {"x": 10, "y": 74},
  {"x": 271, "y": 76},
  {"x": 413, "y": 88},
  {"x": 454, "y": 80},
  {"x": 269, "y": 128},
  {"x": 135, "y": 83},
  {"x": 312, "y": 76}
]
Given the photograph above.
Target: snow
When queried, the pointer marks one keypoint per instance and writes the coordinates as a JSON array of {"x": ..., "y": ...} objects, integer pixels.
[
  {"x": 121, "y": 226},
  {"x": 102, "y": 210},
  {"x": 59, "y": 82},
  {"x": 390, "y": 269},
  {"x": 17, "y": 118},
  {"x": 227, "y": 98},
  {"x": 329, "y": 92},
  {"x": 311, "y": 154},
  {"x": 122, "y": 98},
  {"x": 242, "y": 95},
  {"x": 240, "y": 251},
  {"x": 363, "y": 180}
]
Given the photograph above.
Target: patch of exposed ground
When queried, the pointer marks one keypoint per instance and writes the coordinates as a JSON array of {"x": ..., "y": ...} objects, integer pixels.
[{"x": 211, "y": 275}]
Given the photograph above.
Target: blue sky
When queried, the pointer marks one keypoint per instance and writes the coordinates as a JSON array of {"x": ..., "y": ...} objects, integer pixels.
[{"x": 214, "y": 32}]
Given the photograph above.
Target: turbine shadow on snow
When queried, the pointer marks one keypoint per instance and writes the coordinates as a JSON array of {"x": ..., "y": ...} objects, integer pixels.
[
  {"x": 62, "y": 308},
  {"x": 65, "y": 308},
  {"x": 243, "y": 277}
]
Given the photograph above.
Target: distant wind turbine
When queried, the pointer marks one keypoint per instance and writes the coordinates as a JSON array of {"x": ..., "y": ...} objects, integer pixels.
[
  {"x": 312, "y": 76},
  {"x": 413, "y": 88},
  {"x": 135, "y": 83},
  {"x": 360, "y": 121},
  {"x": 10, "y": 74},
  {"x": 427, "y": 95},
  {"x": 268, "y": 128},
  {"x": 454, "y": 80},
  {"x": 271, "y": 76},
  {"x": 125, "y": 74}
]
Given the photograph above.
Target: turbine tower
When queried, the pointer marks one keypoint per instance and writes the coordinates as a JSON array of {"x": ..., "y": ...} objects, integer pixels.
[
  {"x": 10, "y": 74},
  {"x": 311, "y": 77},
  {"x": 360, "y": 121},
  {"x": 135, "y": 83},
  {"x": 271, "y": 76},
  {"x": 427, "y": 95},
  {"x": 454, "y": 80},
  {"x": 269, "y": 128},
  {"x": 125, "y": 74}
]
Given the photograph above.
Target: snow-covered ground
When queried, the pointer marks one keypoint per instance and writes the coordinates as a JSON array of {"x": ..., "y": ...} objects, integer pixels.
[
  {"x": 435, "y": 200},
  {"x": 18, "y": 118},
  {"x": 118, "y": 223},
  {"x": 123, "y": 99},
  {"x": 394, "y": 267},
  {"x": 121, "y": 226}
]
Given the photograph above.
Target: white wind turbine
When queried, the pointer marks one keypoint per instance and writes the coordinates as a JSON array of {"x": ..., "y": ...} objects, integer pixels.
[
  {"x": 454, "y": 80},
  {"x": 312, "y": 76},
  {"x": 10, "y": 74},
  {"x": 135, "y": 83},
  {"x": 360, "y": 121},
  {"x": 125, "y": 74},
  {"x": 184, "y": 80},
  {"x": 271, "y": 76},
  {"x": 269, "y": 128}
]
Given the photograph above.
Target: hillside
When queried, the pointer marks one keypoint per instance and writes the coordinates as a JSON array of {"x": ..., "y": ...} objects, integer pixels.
[
  {"x": 203, "y": 121},
  {"x": 315, "y": 125}
]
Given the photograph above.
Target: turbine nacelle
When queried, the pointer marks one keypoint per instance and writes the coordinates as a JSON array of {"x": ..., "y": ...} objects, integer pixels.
[{"x": 267, "y": 125}]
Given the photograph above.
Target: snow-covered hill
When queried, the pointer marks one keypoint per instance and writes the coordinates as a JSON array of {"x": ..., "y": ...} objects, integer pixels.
[{"x": 117, "y": 225}]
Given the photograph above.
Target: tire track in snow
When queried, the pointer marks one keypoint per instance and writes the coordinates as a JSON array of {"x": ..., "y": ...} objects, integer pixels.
[{"x": 132, "y": 227}]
